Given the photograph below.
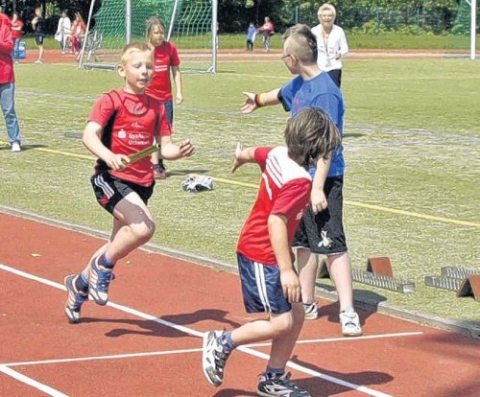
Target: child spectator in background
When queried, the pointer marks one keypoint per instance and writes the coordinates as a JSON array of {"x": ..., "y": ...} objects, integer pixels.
[
  {"x": 267, "y": 30},
  {"x": 78, "y": 33},
  {"x": 251, "y": 34},
  {"x": 121, "y": 123},
  {"x": 7, "y": 83},
  {"x": 269, "y": 281},
  {"x": 16, "y": 26},
  {"x": 64, "y": 31},
  {"x": 166, "y": 62},
  {"x": 38, "y": 25}
]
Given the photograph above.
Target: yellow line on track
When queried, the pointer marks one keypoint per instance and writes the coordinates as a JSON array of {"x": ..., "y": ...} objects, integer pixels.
[
  {"x": 63, "y": 153},
  {"x": 348, "y": 202}
]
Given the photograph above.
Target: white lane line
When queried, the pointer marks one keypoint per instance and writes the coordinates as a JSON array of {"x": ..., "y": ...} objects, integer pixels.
[
  {"x": 197, "y": 350},
  {"x": 344, "y": 339},
  {"x": 29, "y": 381},
  {"x": 111, "y": 357},
  {"x": 192, "y": 332}
]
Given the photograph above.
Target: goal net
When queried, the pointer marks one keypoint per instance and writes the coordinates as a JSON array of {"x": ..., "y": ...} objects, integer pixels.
[{"x": 114, "y": 23}]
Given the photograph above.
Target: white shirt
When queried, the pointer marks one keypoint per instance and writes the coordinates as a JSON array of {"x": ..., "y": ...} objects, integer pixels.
[
  {"x": 64, "y": 26},
  {"x": 329, "y": 45}
]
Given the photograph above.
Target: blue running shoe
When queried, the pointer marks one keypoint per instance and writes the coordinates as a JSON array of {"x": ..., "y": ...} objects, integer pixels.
[
  {"x": 75, "y": 299},
  {"x": 279, "y": 386},
  {"x": 98, "y": 283}
]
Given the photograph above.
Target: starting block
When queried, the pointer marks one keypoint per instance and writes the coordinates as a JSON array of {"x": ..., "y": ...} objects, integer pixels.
[
  {"x": 379, "y": 274},
  {"x": 465, "y": 282}
]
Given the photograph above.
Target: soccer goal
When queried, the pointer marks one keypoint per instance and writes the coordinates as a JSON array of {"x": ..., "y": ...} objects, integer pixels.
[{"x": 114, "y": 23}]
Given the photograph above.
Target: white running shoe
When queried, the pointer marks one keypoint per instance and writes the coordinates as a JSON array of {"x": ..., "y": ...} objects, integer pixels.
[
  {"x": 311, "y": 311},
  {"x": 16, "y": 147},
  {"x": 350, "y": 323},
  {"x": 213, "y": 358}
]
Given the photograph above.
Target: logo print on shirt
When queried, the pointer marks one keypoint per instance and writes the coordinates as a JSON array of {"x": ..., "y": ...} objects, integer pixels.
[{"x": 122, "y": 134}]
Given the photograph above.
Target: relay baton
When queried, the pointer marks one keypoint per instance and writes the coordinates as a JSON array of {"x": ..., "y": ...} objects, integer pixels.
[{"x": 143, "y": 153}]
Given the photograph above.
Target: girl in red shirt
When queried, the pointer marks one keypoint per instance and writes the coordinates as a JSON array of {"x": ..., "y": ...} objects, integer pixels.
[{"x": 166, "y": 62}]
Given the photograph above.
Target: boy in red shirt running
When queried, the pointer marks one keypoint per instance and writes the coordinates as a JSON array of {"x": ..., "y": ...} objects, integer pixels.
[
  {"x": 121, "y": 123},
  {"x": 269, "y": 281},
  {"x": 166, "y": 61}
]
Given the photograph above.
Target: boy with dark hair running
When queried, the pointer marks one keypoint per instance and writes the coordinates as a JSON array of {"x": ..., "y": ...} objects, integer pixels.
[
  {"x": 121, "y": 123},
  {"x": 265, "y": 261},
  {"x": 321, "y": 230}
]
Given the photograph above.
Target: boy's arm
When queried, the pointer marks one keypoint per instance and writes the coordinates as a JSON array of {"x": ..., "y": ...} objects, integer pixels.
[
  {"x": 177, "y": 77},
  {"x": 6, "y": 40},
  {"x": 91, "y": 140},
  {"x": 243, "y": 156},
  {"x": 171, "y": 151},
  {"x": 317, "y": 195},
  {"x": 255, "y": 101},
  {"x": 277, "y": 229}
]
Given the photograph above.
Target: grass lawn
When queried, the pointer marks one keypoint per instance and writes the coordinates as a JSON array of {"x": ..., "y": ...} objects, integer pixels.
[{"x": 412, "y": 145}]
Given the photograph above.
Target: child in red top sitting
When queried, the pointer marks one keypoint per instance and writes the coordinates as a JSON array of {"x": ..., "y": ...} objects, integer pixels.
[
  {"x": 166, "y": 61},
  {"x": 121, "y": 123},
  {"x": 78, "y": 33}
]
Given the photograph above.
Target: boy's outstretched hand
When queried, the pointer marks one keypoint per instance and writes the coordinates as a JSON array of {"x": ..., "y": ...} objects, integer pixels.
[
  {"x": 238, "y": 161},
  {"x": 186, "y": 148},
  {"x": 249, "y": 105}
]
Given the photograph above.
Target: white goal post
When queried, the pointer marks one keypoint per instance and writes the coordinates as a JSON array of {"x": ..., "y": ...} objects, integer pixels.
[
  {"x": 473, "y": 28},
  {"x": 112, "y": 24}
]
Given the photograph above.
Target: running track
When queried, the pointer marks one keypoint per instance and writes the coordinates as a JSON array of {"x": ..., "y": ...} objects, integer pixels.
[{"x": 146, "y": 342}]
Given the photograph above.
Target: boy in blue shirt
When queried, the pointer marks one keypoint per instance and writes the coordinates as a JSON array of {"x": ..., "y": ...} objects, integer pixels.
[{"x": 321, "y": 230}]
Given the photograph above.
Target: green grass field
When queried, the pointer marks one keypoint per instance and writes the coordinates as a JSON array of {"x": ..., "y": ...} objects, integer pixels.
[
  {"x": 385, "y": 41},
  {"x": 412, "y": 142}
]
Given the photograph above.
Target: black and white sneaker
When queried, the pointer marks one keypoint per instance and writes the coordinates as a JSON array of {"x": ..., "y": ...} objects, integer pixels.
[
  {"x": 279, "y": 386},
  {"x": 214, "y": 357}
]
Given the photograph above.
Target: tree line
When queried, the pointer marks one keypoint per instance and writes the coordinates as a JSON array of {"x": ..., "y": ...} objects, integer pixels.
[{"x": 436, "y": 16}]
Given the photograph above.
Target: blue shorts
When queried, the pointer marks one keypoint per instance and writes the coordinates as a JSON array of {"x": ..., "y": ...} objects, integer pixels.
[
  {"x": 169, "y": 110},
  {"x": 261, "y": 287}
]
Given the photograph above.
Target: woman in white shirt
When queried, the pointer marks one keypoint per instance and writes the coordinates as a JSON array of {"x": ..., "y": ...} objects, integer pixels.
[
  {"x": 331, "y": 42},
  {"x": 63, "y": 31}
]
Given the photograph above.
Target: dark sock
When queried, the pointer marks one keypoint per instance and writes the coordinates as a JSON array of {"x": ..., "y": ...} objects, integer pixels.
[
  {"x": 272, "y": 373},
  {"x": 226, "y": 341},
  {"x": 105, "y": 263},
  {"x": 81, "y": 284}
]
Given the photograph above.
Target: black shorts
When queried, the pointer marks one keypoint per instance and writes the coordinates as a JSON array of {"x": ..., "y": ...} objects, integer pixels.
[
  {"x": 323, "y": 233},
  {"x": 110, "y": 190},
  {"x": 39, "y": 39}
]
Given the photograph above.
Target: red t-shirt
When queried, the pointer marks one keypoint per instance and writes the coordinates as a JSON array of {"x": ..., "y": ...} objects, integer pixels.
[
  {"x": 18, "y": 24},
  {"x": 284, "y": 190},
  {"x": 130, "y": 123},
  {"x": 6, "y": 48},
  {"x": 165, "y": 56},
  {"x": 266, "y": 28}
]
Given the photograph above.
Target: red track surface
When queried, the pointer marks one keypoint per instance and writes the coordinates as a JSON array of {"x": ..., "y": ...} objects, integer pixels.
[
  {"x": 157, "y": 294},
  {"x": 55, "y": 56}
]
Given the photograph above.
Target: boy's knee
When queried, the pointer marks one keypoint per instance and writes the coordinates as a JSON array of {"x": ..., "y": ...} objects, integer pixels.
[
  {"x": 282, "y": 324},
  {"x": 143, "y": 231}
]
